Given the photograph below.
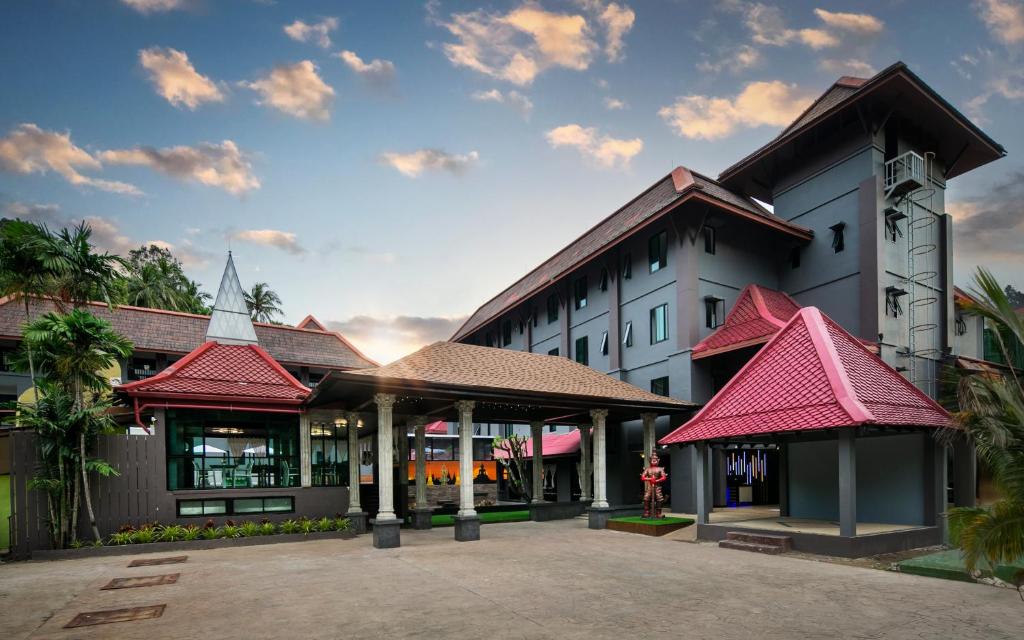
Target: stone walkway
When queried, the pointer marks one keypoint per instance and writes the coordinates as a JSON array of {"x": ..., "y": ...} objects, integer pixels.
[{"x": 522, "y": 580}]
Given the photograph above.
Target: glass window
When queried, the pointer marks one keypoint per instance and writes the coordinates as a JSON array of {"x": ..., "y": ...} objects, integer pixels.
[
  {"x": 141, "y": 368},
  {"x": 604, "y": 280},
  {"x": 328, "y": 455},
  {"x": 553, "y": 352},
  {"x": 582, "y": 351},
  {"x": 506, "y": 333},
  {"x": 659, "y": 386},
  {"x": 552, "y": 308},
  {"x": 604, "y": 343},
  {"x": 794, "y": 258},
  {"x": 710, "y": 241},
  {"x": 659, "y": 324},
  {"x": 627, "y": 336},
  {"x": 657, "y": 251},
  {"x": 579, "y": 293},
  {"x": 231, "y": 450},
  {"x": 714, "y": 310},
  {"x": 838, "y": 242},
  {"x": 236, "y": 506},
  {"x": 627, "y": 267}
]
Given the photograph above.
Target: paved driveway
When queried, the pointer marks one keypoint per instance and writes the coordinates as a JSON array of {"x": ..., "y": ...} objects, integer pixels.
[{"x": 524, "y": 580}]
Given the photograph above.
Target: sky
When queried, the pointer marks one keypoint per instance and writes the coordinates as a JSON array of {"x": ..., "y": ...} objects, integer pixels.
[{"x": 388, "y": 166}]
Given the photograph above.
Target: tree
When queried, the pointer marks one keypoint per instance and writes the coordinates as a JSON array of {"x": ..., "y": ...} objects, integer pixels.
[
  {"x": 1015, "y": 297},
  {"x": 992, "y": 416},
  {"x": 154, "y": 278},
  {"x": 72, "y": 351},
  {"x": 263, "y": 303},
  {"x": 514, "y": 461},
  {"x": 80, "y": 274},
  {"x": 22, "y": 274}
]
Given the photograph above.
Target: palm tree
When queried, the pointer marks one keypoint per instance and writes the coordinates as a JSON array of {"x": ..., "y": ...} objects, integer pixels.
[
  {"x": 80, "y": 273},
  {"x": 196, "y": 300},
  {"x": 992, "y": 415},
  {"x": 72, "y": 349},
  {"x": 156, "y": 285},
  {"x": 263, "y": 303},
  {"x": 22, "y": 274}
]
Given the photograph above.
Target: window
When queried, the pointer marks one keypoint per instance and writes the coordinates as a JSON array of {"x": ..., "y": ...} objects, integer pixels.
[
  {"x": 328, "y": 455},
  {"x": 579, "y": 293},
  {"x": 838, "y": 243},
  {"x": 893, "y": 306},
  {"x": 552, "y": 308},
  {"x": 231, "y": 450},
  {"x": 582, "y": 351},
  {"x": 627, "y": 267},
  {"x": 604, "y": 280},
  {"x": 141, "y": 368},
  {"x": 709, "y": 240},
  {"x": 604, "y": 343},
  {"x": 236, "y": 506},
  {"x": 892, "y": 223},
  {"x": 659, "y": 386},
  {"x": 659, "y": 324},
  {"x": 506, "y": 333},
  {"x": 961, "y": 325},
  {"x": 627, "y": 335},
  {"x": 794, "y": 258},
  {"x": 553, "y": 352},
  {"x": 714, "y": 311},
  {"x": 657, "y": 252}
]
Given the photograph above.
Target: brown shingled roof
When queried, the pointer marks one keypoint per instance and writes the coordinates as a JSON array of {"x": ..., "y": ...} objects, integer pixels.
[
  {"x": 668, "y": 192},
  {"x": 174, "y": 332}
]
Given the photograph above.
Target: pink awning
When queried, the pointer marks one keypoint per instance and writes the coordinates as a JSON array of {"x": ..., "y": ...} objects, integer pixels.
[{"x": 555, "y": 444}]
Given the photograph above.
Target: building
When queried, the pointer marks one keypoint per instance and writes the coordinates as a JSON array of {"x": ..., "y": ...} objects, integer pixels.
[{"x": 675, "y": 291}]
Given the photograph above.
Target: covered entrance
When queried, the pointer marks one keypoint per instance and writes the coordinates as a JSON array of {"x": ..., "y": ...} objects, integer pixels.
[{"x": 468, "y": 385}]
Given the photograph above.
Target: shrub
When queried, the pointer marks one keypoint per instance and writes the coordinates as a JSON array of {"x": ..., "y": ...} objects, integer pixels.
[
  {"x": 290, "y": 526},
  {"x": 307, "y": 526},
  {"x": 77, "y": 544},
  {"x": 172, "y": 533},
  {"x": 122, "y": 537},
  {"x": 145, "y": 535},
  {"x": 325, "y": 524},
  {"x": 249, "y": 529},
  {"x": 268, "y": 529},
  {"x": 210, "y": 533},
  {"x": 191, "y": 532},
  {"x": 342, "y": 524},
  {"x": 230, "y": 530}
]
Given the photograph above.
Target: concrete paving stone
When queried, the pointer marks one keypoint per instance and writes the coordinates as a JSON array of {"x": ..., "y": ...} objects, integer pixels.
[{"x": 521, "y": 580}]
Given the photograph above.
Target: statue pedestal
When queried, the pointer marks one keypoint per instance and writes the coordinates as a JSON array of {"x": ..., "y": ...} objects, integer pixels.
[
  {"x": 467, "y": 528},
  {"x": 387, "y": 533},
  {"x": 421, "y": 518}
]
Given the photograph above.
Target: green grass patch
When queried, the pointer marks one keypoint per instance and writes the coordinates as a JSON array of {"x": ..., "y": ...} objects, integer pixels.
[
  {"x": 654, "y": 521},
  {"x": 950, "y": 565},
  {"x": 487, "y": 517}
]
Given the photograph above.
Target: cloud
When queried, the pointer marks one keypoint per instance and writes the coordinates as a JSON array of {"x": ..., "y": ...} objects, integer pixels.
[
  {"x": 614, "y": 104},
  {"x": 1003, "y": 18},
  {"x": 858, "y": 23},
  {"x": 999, "y": 74},
  {"x": 773, "y": 103},
  {"x": 849, "y": 67},
  {"x": 605, "y": 150},
  {"x": 513, "y": 98},
  {"x": 376, "y": 72},
  {"x": 518, "y": 45},
  {"x": 217, "y": 165},
  {"x": 154, "y": 6},
  {"x": 29, "y": 149},
  {"x": 617, "y": 21},
  {"x": 388, "y": 338},
  {"x": 988, "y": 229},
  {"x": 317, "y": 33},
  {"x": 414, "y": 163},
  {"x": 295, "y": 89},
  {"x": 284, "y": 240},
  {"x": 734, "y": 59},
  {"x": 176, "y": 80}
]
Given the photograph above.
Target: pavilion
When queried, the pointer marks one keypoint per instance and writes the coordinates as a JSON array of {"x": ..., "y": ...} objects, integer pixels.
[
  {"x": 856, "y": 441},
  {"x": 465, "y": 383}
]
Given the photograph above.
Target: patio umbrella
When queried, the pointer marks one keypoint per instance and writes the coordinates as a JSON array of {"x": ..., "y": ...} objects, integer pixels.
[{"x": 207, "y": 449}]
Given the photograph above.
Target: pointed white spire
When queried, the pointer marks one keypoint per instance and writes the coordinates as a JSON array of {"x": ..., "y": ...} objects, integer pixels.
[{"x": 230, "y": 322}]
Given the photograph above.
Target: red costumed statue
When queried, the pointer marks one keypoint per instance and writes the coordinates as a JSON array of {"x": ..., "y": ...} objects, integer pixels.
[{"x": 653, "y": 476}]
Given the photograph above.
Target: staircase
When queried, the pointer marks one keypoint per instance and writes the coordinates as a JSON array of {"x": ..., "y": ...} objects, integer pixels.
[{"x": 757, "y": 542}]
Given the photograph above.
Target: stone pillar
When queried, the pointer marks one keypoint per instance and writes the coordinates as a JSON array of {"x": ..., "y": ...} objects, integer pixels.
[
  {"x": 965, "y": 473},
  {"x": 305, "y": 447},
  {"x": 783, "y": 450},
  {"x": 467, "y": 522},
  {"x": 421, "y": 513},
  {"x": 935, "y": 484},
  {"x": 536, "y": 434},
  {"x": 355, "y": 512},
  {"x": 402, "y": 435},
  {"x": 702, "y": 475},
  {"x": 649, "y": 442},
  {"x": 586, "y": 461},
  {"x": 847, "y": 483},
  {"x": 386, "y": 527},
  {"x": 599, "y": 510}
]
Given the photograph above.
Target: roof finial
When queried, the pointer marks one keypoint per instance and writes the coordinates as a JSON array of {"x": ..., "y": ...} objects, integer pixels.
[{"x": 230, "y": 322}]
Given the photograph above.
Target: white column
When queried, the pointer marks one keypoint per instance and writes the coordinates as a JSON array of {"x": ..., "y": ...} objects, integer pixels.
[
  {"x": 421, "y": 463},
  {"x": 649, "y": 442},
  {"x": 352, "y": 427},
  {"x": 536, "y": 433},
  {"x": 466, "y": 506},
  {"x": 385, "y": 461},
  {"x": 600, "y": 474},
  {"x": 586, "y": 462},
  {"x": 305, "y": 464}
]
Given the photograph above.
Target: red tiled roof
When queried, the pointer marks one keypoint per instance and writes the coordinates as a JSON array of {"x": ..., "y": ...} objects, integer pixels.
[
  {"x": 439, "y": 427},
  {"x": 668, "y": 192},
  {"x": 225, "y": 372},
  {"x": 553, "y": 444},
  {"x": 758, "y": 314},
  {"x": 811, "y": 375},
  {"x": 176, "y": 333}
]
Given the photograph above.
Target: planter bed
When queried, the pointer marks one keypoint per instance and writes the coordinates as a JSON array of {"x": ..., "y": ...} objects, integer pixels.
[
  {"x": 185, "y": 545},
  {"x": 648, "y": 526},
  {"x": 486, "y": 517}
]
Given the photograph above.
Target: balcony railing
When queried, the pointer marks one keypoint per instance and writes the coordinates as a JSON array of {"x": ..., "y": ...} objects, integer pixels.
[{"x": 904, "y": 173}]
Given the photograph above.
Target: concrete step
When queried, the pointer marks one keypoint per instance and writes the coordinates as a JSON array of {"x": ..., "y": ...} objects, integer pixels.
[
  {"x": 751, "y": 546},
  {"x": 783, "y": 542}
]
